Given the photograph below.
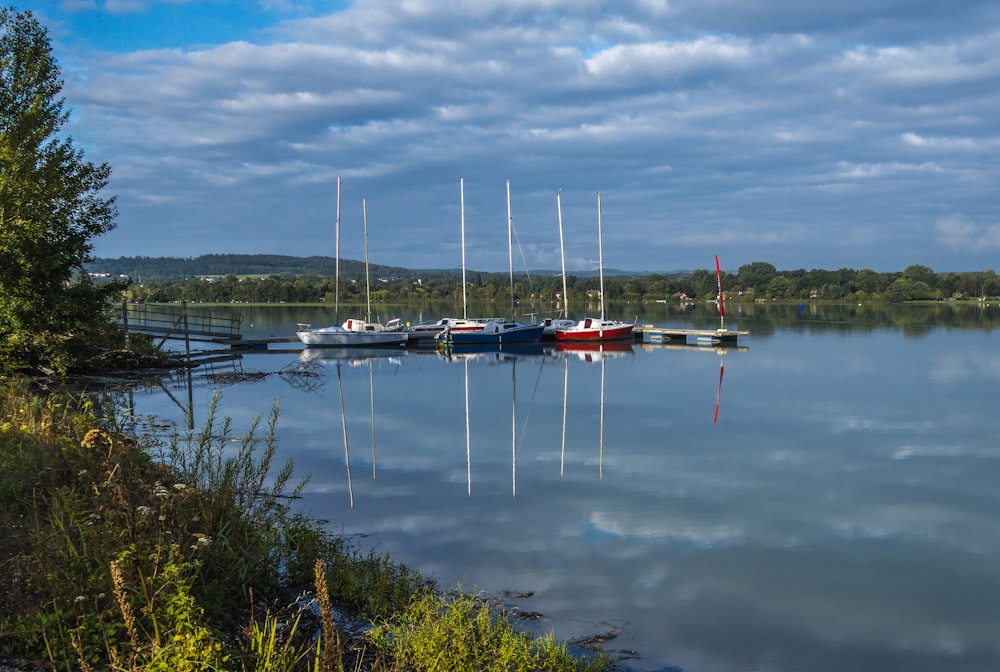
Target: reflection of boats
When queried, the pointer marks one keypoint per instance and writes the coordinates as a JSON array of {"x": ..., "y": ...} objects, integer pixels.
[
  {"x": 352, "y": 355},
  {"x": 354, "y": 333},
  {"x": 497, "y": 331},
  {"x": 592, "y": 351},
  {"x": 590, "y": 329},
  {"x": 457, "y": 350},
  {"x": 589, "y": 352}
]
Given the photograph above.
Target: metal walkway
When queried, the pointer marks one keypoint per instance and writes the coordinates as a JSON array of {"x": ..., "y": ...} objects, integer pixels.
[{"x": 181, "y": 322}]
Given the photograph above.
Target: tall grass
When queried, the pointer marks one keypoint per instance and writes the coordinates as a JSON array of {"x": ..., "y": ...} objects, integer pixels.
[
  {"x": 461, "y": 633},
  {"x": 187, "y": 554}
]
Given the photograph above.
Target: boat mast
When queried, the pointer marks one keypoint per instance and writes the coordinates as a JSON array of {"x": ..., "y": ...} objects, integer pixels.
[
  {"x": 562, "y": 256},
  {"x": 368, "y": 281},
  {"x": 465, "y": 302},
  {"x": 336, "y": 284},
  {"x": 510, "y": 250},
  {"x": 600, "y": 259}
]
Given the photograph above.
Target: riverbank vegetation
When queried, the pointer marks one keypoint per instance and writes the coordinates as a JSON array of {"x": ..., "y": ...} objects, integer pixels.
[
  {"x": 185, "y": 552},
  {"x": 751, "y": 282}
]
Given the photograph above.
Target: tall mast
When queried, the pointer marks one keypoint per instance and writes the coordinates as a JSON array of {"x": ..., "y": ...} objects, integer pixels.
[
  {"x": 465, "y": 302},
  {"x": 562, "y": 256},
  {"x": 336, "y": 284},
  {"x": 368, "y": 282},
  {"x": 510, "y": 250}
]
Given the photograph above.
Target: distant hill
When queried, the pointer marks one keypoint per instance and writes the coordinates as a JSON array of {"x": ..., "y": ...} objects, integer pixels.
[{"x": 162, "y": 269}]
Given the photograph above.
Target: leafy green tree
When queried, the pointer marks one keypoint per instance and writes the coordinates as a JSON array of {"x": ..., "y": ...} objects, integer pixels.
[
  {"x": 781, "y": 287},
  {"x": 51, "y": 313},
  {"x": 920, "y": 273},
  {"x": 756, "y": 275}
]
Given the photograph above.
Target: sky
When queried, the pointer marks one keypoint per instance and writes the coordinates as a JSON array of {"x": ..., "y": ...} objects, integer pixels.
[{"x": 850, "y": 134}]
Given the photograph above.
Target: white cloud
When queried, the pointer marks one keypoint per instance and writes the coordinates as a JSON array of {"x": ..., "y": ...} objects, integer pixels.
[
  {"x": 958, "y": 232},
  {"x": 756, "y": 133}
]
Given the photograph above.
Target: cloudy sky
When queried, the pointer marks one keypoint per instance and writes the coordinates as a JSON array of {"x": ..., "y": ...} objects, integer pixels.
[{"x": 858, "y": 133}]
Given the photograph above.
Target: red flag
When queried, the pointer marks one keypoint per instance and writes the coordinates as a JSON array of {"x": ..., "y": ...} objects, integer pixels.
[{"x": 718, "y": 275}]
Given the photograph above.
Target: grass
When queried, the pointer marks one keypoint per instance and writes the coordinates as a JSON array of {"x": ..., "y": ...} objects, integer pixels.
[{"x": 185, "y": 553}]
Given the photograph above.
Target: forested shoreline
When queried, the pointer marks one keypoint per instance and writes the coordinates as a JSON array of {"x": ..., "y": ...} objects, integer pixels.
[{"x": 279, "y": 279}]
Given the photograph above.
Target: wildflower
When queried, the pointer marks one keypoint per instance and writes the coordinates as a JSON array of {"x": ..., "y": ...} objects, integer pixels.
[
  {"x": 96, "y": 438},
  {"x": 179, "y": 486},
  {"x": 201, "y": 540}
]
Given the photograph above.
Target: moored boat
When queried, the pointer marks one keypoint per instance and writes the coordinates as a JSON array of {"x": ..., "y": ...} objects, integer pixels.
[
  {"x": 494, "y": 331},
  {"x": 337, "y": 335},
  {"x": 594, "y": 329},
  {"x": 589, "y": 328},
  {"x": 353, "y": 332},
  {"x": 551, "y": 324}
]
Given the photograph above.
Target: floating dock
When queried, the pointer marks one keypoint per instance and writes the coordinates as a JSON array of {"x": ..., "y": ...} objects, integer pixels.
[{"x": 649, "y": 333}]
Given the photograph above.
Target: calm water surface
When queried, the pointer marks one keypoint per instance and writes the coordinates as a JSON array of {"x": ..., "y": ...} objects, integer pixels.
[{"x": 834, "y": 504}]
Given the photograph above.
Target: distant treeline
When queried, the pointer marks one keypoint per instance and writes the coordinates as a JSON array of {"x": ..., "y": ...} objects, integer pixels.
[
  {"x": 275, "y": 279},
  {"x": 160, "y": 269}
]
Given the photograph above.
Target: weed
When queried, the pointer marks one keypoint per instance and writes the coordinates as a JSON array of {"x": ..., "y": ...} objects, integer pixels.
[{"x": 125, "y": 553}]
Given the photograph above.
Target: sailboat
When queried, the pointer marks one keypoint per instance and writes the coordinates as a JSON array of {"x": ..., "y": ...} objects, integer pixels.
[
  {"x": 596, "y": 329},
  {"x": 353, "y": 333},
  {"x": 445, "y": 325},
  {"x": 551, "y": 324},
  {"x": 497, "y": 331}
]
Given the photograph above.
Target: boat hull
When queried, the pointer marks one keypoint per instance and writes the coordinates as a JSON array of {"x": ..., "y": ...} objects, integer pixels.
[
  {"x": 340, "y": 337},
  {"x": 519, "y": 334},
  {"x": 424, "y": 332},
  {"x": 594, "y": 331}
]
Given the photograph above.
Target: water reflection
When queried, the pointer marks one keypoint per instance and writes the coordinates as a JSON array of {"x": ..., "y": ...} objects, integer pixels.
[{"x": 834, "y": 507}]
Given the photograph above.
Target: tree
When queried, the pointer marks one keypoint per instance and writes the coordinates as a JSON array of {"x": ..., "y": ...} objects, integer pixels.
[
  {"x": 51, "y": 313},
  {"x": 756, "y": 275}
]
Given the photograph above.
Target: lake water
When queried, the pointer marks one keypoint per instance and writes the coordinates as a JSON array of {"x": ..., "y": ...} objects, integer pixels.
[{"x": 825, "y": 497}]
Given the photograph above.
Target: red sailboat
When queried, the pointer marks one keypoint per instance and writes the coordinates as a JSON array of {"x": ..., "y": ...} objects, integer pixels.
[{"x": 590, "y": 328}]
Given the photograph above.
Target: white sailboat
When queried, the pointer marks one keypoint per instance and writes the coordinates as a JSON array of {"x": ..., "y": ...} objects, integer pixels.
[{"x": 353, "y": 333}]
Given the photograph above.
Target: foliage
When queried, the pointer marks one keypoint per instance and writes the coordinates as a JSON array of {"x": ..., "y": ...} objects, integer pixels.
[
  {"x": 117, "y": 561},
  {"x": 461, "y": 633},
  {"x": 755, "y": 281},
  {"x": 126, "y": 561},
  {"x": 51, "y": 313}
]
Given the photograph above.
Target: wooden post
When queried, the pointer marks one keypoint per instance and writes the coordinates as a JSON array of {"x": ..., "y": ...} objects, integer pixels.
[
  {"x": 187, "y": 335},
  {"x": 125, "y": 323}
]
